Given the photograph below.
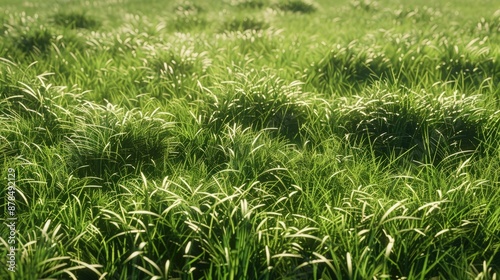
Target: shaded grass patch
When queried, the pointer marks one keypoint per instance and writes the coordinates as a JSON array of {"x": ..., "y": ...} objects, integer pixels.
[
  {"x": 427, "y": 129},
  {"x": 109, "y": 143},
  {"x": 365, "y": 5},
  {"x": 249, "y": 4},
  {"x": 210, "y": 159},
  {"x": 244, "y": 23},
  {"x": 75, "y": 20},
  {"x": 260, "y": 102},
  {"x": 296, "y": 6},
  {"x": 177, "y": 72},
  {"x": 417, "y": 14},
  {"x": 38, "y": 41},
  {"x": 34, "y": 105},
  {"x": 177, "y": 64},
  {"x": 43, "y": 248}
]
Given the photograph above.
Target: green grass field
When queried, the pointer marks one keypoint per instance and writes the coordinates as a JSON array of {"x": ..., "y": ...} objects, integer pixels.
[{"x": 250, "y": 139}]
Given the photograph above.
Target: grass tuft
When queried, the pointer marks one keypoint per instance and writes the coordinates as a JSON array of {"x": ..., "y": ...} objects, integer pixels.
[
  {"x": 242, "y": 24},
  {"x": 426, "y": 129},
  {"x": 416, "y": 15},
  {"x": 75, "y": 20},
  {"x": 44, "y": 253},
  {"x": 260, "y": 102},
  {"x": 184, "y": 63},
  {"x": 296, "y": 6},
  {"x": 249, "y": 4},
  {"x": 109, "y": 143},
  {"x": 366, "y": 5},
  {"x": 187, "y": 22},
  {"x": 250, "y": 139},
  {"x": 472, "y": 64},
  {"x": 38, "y": 41}
]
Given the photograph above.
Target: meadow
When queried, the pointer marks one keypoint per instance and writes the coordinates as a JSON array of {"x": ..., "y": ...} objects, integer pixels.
[{"x": 250, "y": 139}]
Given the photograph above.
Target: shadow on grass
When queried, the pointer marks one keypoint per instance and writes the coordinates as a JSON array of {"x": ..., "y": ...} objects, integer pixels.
[{"x": 75, "y": 20}]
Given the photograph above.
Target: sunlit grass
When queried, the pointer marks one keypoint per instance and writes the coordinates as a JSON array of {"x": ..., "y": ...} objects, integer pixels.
[{"x": 251, "y": 139}]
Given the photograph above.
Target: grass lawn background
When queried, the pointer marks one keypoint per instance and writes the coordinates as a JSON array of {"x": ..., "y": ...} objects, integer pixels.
[{"x": 251, "y": 139}]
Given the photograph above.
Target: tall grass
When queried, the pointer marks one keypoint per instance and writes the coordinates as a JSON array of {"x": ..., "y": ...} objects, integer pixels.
[{"x": 251, "y": 139}]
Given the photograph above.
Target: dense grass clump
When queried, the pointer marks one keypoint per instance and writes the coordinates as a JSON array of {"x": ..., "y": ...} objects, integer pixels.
[
  {"x": 38, "y": 116},
  {"x": 346, "y": 67},
  {"x": 365, "y": 5},
  {"x": 250, "y": 139},
  {"x": 242, "y": 24},
  {"x": 296, "y": 6},
  {"x": 416, "y": 15},
  {"x": 260, "y": 102},
  {"x": 22, "y": 44},
  {"x": 424, "y": 128},
  {"x": 188, "y": 21},
  {"x": 176, "y": 72},
  {"x": 37, "y": 41},
  {"x": 490, "y": 25},
  {"x": 49, "y": 243},
  {"x": 187, "y": 16},
  {"x": 114, "y": 143},
  {"x": 179, "y": 65},
  {"x": 471, "y": 65},
  {"x": 350, "y": 64},
  {"x": 74, "y": 20}
]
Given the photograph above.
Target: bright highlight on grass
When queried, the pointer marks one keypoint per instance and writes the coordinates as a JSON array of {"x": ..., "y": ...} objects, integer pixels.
[{"x": 251, "y": 139}]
